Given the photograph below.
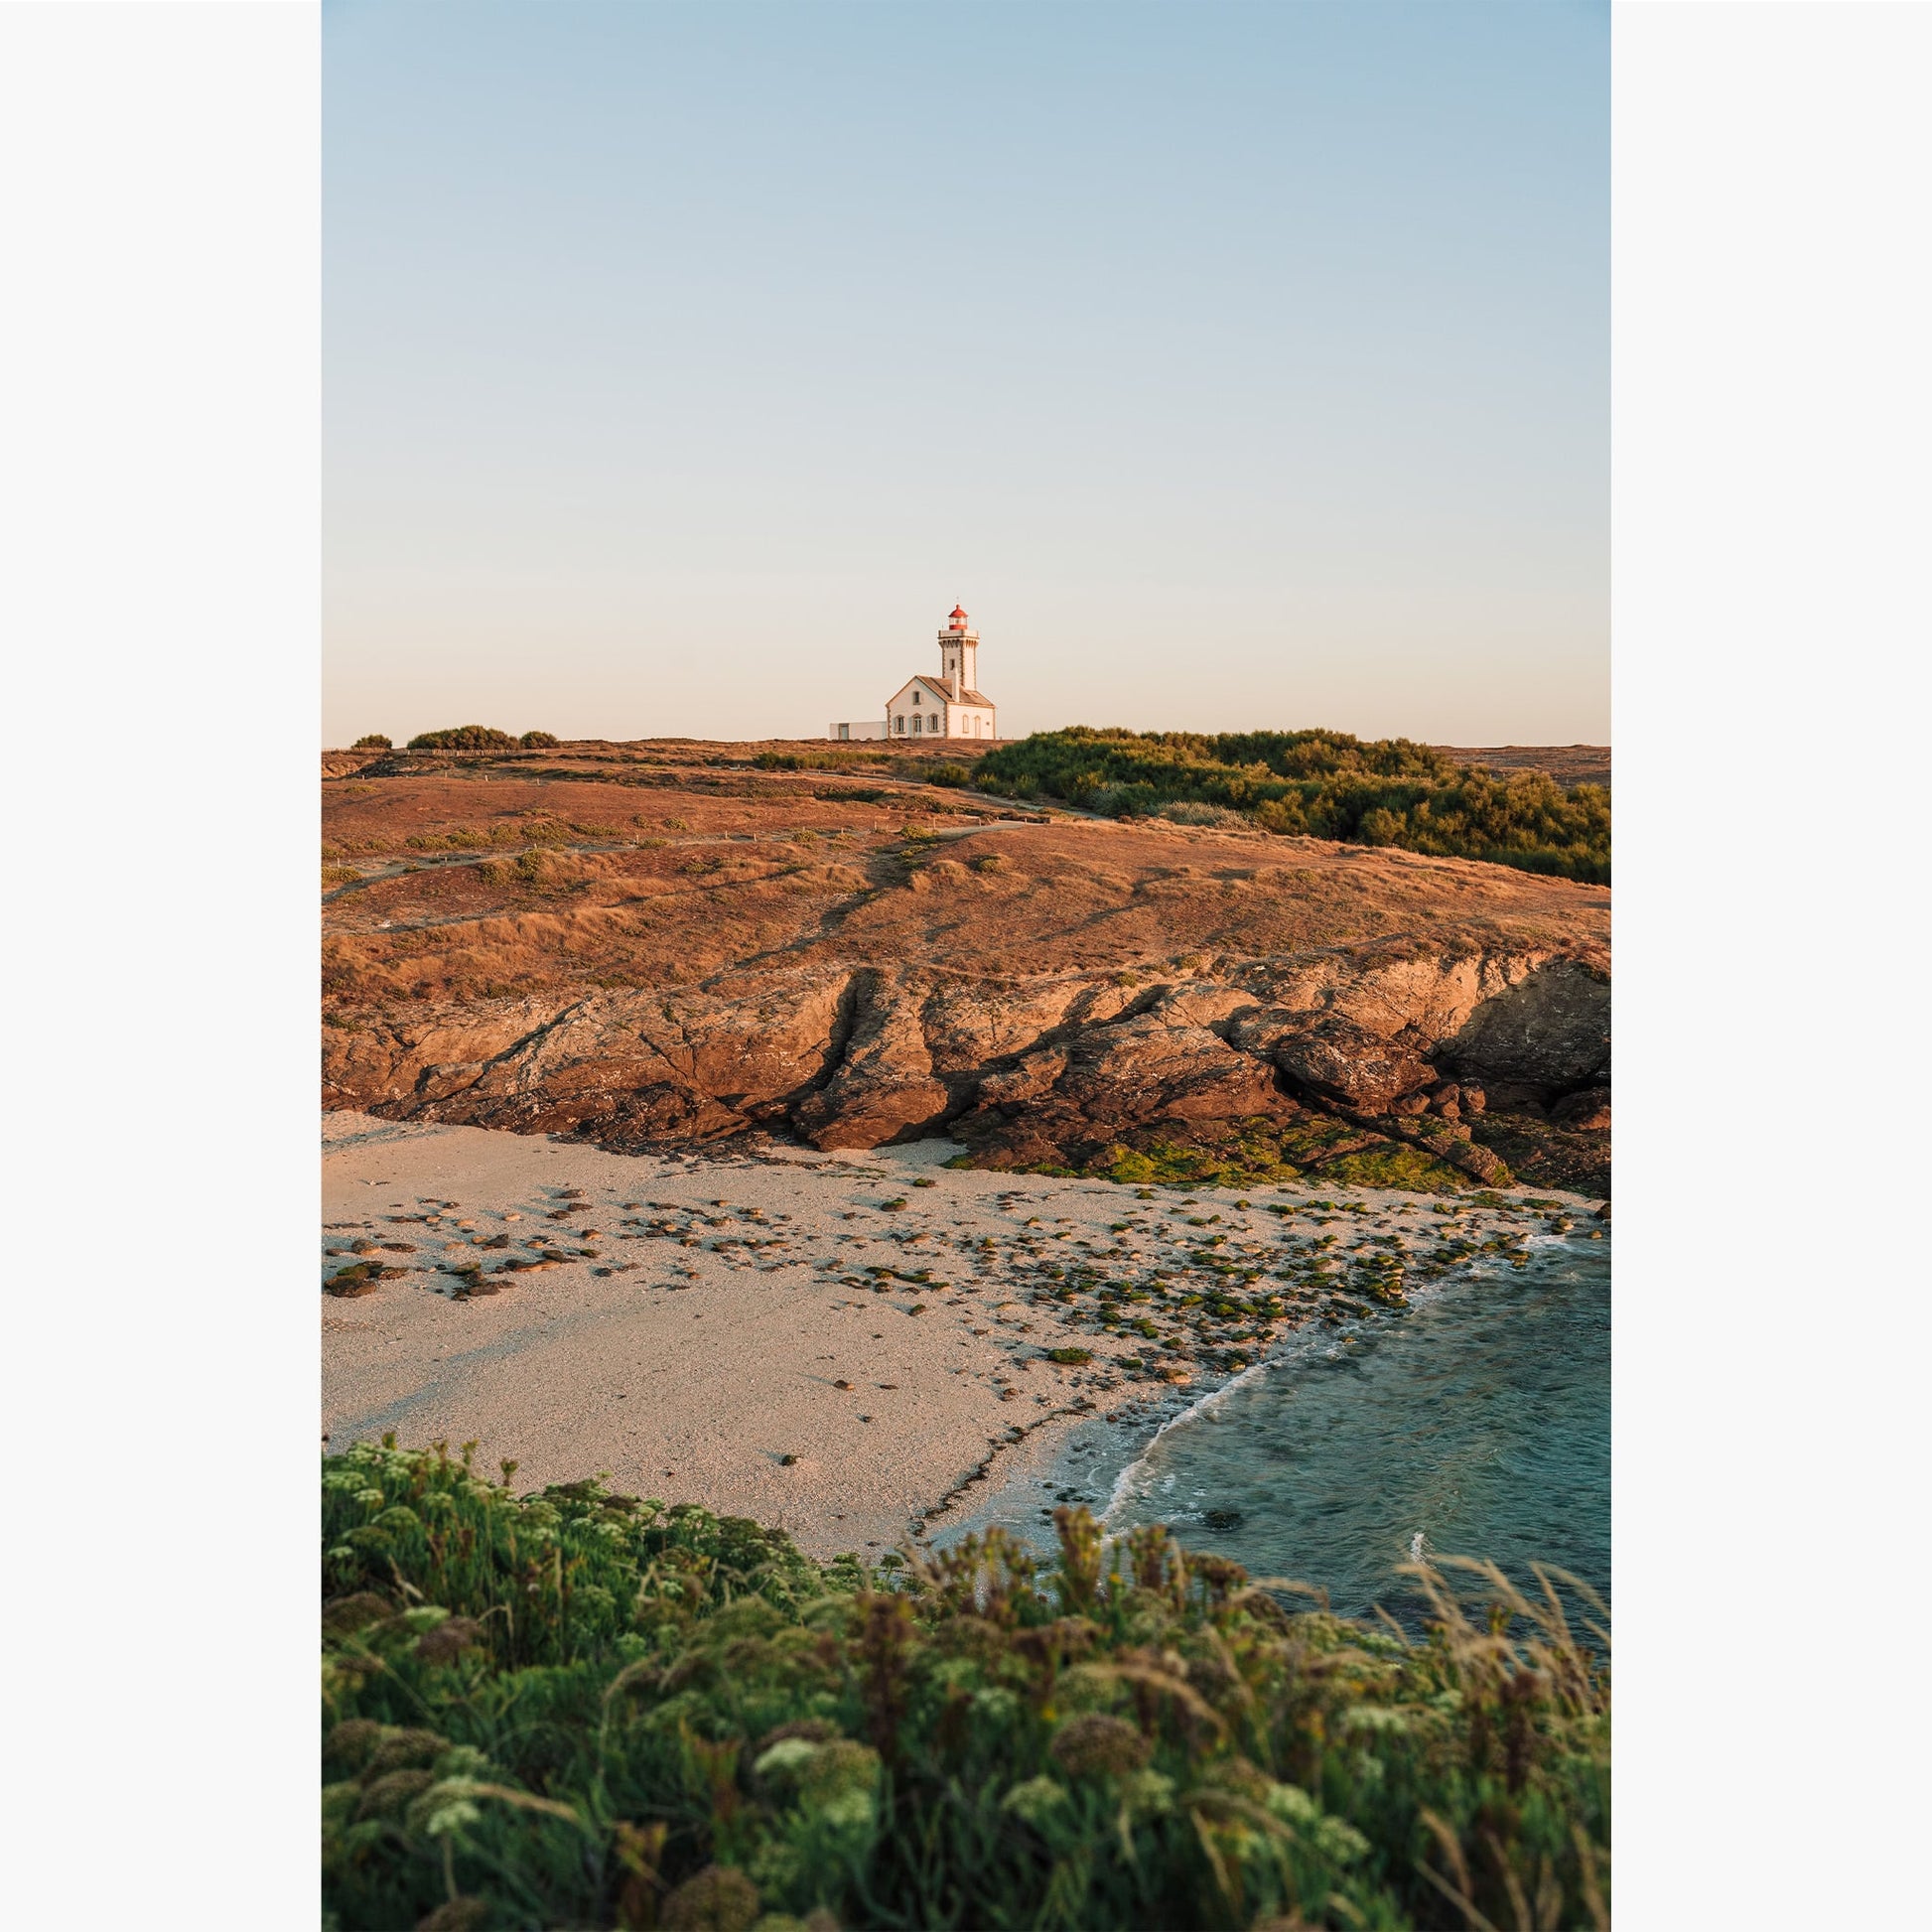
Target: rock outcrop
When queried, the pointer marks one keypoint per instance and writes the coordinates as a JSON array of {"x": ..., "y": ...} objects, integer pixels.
[
  {"x": 1548, "y": 1033},
  {"x": 884, "y": 1087},
  {"x": 1158, "y": 1066},
  {"x": 1403, "y": 1045},
  {"x": 1341, "y": 1060}
]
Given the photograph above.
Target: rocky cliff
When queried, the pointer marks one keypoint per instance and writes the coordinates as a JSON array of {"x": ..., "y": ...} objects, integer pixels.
[{"x": 1016, "y": 987}]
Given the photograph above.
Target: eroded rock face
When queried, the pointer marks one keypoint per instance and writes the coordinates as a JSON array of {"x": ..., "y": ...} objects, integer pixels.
[
  {"x": 1156, "y": 1067},
  {"x": 1586, "y": 1112},
  {"x": 884, "y": 1088},
  {"x": 1341, "y": 1061},
  {"x": 1402, "y": 1044},
  {"x": 1550, "y": 1031},
  {"x": 633, "y": 1069}
]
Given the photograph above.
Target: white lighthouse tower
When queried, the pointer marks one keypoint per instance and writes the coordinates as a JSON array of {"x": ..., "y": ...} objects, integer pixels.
[{"x": 959, "y": 649}]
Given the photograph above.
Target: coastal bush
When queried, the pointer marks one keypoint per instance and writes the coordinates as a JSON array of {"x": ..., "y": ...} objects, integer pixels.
[
  {"x": 1187, "y": 811},
  {"x": 371, "y": 742},
  {"x": 1326, "y": 785},
  {"x": 827, "y": 760},
  {"x": 949, "y": 774},
  {"x": 538, "y": 741},
  {"x": 463, "y": 737},
  {"x": 575, "y": 1707},
  {"x": 540, "y": 869}
]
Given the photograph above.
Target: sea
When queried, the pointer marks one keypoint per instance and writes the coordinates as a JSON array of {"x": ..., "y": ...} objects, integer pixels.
[{"x": 1474, "y": 1423}]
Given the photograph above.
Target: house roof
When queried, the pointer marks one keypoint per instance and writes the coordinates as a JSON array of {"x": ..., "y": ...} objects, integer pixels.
[{"x": 941, "y": 690}]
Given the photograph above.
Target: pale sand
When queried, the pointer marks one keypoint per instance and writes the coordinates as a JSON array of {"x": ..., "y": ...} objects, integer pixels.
[
  {"x": 690, "y": 1373},
  {"x": 689, "y": 1377}
]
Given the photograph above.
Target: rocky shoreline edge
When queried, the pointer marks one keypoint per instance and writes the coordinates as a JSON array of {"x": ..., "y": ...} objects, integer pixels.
[{"x": 1397, "y": 1064}]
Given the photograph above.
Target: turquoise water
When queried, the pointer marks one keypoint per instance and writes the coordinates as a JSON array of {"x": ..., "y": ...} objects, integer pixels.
[{"x": 1478, "y": 1421}]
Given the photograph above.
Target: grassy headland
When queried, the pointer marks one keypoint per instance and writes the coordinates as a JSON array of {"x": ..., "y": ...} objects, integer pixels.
[{"x": 582, "y": 1709}]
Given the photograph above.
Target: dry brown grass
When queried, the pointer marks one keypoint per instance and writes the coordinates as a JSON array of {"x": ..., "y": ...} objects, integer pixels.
[{"x": 700, "y": 866}]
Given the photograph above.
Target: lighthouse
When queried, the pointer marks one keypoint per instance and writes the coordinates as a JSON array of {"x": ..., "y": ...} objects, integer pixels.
[
  {"x": 959, "y": 649},
  {"x": 949, "y": 706}
]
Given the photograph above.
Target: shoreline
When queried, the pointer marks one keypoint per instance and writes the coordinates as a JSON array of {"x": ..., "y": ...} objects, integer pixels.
[
  {"x": 1085, "y": 1465},
  {"x": 836, "y": 1344}
]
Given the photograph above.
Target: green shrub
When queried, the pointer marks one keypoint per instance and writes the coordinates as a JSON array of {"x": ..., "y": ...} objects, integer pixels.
[
  {"x": 827, "y": 760},
  {"x": 538, "y": 740},
  {"x": 581, "y": 1709},
  {"x": 371, "y": 742},
  {"x": 949, "y": 774},
  {"x": 1321, "y": 783},
  {"x": 463, "y": 737}
]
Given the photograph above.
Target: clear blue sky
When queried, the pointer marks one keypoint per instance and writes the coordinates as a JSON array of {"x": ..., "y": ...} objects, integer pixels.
[{"x": 1236, "y": 365}]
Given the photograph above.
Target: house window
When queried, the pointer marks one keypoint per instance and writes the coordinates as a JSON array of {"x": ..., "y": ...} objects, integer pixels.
[
  {"x": 898, "y": 723},
  {"x": 916, "y": 697}
]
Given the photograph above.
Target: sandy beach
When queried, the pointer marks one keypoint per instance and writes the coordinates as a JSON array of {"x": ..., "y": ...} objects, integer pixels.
[{"x": 853, "y": 1347}]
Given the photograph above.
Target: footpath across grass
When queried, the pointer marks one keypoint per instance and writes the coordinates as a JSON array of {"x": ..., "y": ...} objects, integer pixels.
[{"x": 579, "y": 1709}]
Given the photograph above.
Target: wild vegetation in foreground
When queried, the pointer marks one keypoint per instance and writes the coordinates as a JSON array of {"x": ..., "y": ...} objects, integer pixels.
[
  {"x": 1327, "y": 784},
  {"x": 581, "y": 1709}
]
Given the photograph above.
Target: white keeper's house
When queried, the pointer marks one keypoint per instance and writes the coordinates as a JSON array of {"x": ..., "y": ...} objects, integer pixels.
[{"x": 950, "y": 705}]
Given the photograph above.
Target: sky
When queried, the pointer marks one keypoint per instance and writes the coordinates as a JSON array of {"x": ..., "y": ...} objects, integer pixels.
[{"x": 1236, "y": 365}]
